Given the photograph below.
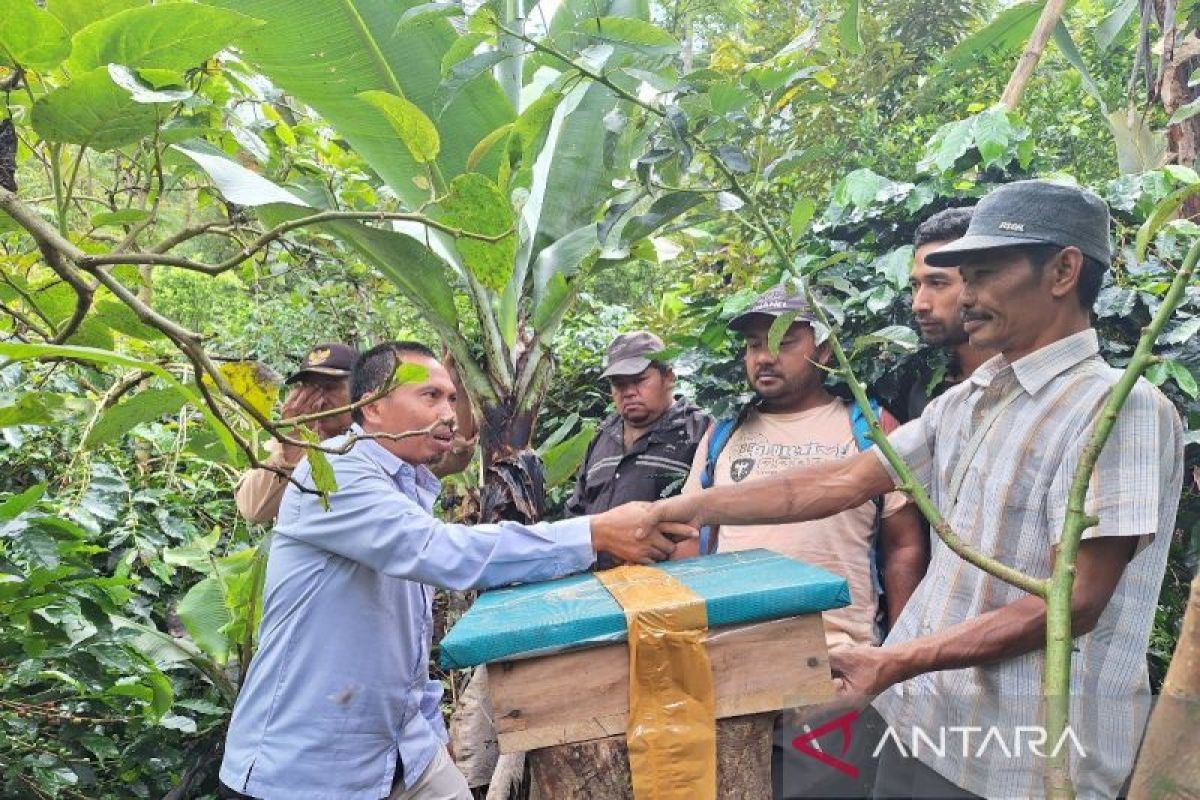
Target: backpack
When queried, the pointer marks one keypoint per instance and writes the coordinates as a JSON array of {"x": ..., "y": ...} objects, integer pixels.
[{"x": 723, "y": 430}]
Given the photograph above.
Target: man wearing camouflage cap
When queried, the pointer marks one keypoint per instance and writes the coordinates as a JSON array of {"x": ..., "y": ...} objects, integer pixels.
[{"x": 997, "y": 454}]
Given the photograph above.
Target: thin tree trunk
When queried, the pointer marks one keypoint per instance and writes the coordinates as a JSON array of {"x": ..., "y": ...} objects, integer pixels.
[
  {"x": 1042, "y": 32},
  {"x": 1180, "y": 58},
  {"x": 1169, "y": 763}
]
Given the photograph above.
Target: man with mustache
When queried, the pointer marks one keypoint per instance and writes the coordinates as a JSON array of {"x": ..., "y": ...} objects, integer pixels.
[
  {"x": 644, "y": 450},
  {"x": 338, "y": 704},
  {"x": 998, "y": 454},
  {"x": 935, "y": 291},
  {"x": 795, "y": 421}
]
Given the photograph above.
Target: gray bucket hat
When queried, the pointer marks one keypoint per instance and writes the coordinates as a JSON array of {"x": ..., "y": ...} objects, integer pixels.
[
  {"x": 1033, "y": 213},
  {"x": 628, "y": 353}
]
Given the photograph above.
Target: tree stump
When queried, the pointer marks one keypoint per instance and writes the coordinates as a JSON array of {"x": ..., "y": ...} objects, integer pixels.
[{"x": 599, "y": 770}]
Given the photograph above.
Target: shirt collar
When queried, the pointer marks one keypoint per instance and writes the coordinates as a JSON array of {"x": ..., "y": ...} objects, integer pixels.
[
  {"x": 392, "y": 464},
  {"x": 1042, "y": 365}
]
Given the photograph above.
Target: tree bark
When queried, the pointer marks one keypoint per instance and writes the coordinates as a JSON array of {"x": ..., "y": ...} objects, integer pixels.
[
  {"x": 513, "y": 486},
  {"x": 1169, "y": 763},
  {"x": 1180, "y": 60},
  {"x": 1051, "y": 14},
  {"x": 599, "y": 770}
]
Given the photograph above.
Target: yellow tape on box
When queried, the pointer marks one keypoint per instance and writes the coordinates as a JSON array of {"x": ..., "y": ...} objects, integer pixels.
[{"x": 672, "y": 727}]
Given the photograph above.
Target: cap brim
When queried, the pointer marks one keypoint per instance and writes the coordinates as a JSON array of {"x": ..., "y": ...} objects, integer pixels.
[
  {"x": 310, "y": 371},
  {"x": 951, "y": 254},
  {"x": 627, "y": 366}
]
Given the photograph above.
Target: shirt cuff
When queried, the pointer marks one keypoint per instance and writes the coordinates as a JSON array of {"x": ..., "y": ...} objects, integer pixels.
[
  {"x": 574, "y": 536},
  {"x": 887, "y": 465}
]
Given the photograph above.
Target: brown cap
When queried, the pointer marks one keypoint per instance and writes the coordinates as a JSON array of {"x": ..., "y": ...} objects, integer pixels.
[
  {"x": 332, "y": 359},
  {"x": 628, "y": 353},
  {"x": 775, "y": 303}
]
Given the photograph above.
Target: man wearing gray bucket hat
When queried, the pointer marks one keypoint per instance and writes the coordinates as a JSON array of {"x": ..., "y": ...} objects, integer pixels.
[
  {"x": 644, "y": 450},
  {"x": 997, "y": 454}
]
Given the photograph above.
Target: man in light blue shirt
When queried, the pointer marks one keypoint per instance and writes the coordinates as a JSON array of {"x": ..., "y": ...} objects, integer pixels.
[{"x": 338, "y": 703}]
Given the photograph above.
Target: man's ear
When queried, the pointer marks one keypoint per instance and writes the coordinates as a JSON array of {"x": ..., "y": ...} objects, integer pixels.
[
  {"x": 1064, "y": 272},
  {"x": 370, "y": 413},
  {"x": 823, "y": 353},
  {"x": 669, "y": 377}
]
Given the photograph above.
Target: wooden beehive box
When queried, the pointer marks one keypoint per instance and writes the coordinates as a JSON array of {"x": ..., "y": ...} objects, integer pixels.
[{"x": 559, "y": 665}]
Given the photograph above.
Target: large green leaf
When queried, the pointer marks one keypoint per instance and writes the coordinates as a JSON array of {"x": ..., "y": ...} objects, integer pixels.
[
  {"x": 93, "y": 111},
  {"x": 195, "y": 554},
  {"x": 163, "y": 36},
  {"x": 78, "y": 14},
  {"x": 20, "y": 351},
  {"x": 1112, "y": 25},
  {"x": 564, "y": 458},
  {"x": 476, "y": 205},
  {"x": 244, "y": 573},
  {"x": 33, "y": 408},
  {"x": 1005, "y": 34},
  {"x": 661, "y": 211},
  {"x": 327, "y": 54},
  {"x": 570, "y": 179},
  {"x": 30, "y": 36},
  {"x": 204, "y": 613},
  {"x": 16, "y": 505},
  {"x": 632, "y": 33},
  {"x": 416, "y": 130},
  {"x": 848, "y": 28},
  {"x": 417, "y": 272},
  {"x": 562, "y": 259},
  {"x": 145, "y": 406}
]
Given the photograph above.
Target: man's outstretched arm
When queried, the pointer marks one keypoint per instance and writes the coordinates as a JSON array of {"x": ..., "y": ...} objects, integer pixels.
[
  {"x": 797, "y": 495},
  {"x": 1003, "y": 633}
]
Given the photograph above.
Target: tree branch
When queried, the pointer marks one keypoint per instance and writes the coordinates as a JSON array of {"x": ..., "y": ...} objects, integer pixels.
[{"x": 156, "y": 255}]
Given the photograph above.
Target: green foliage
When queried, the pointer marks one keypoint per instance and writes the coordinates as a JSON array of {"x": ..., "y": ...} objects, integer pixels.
[
  {"x": 97, "y": 700},
  {"x": 31, "y": 35},
  {"x": 129, "y": 593},
  {"x": 94, "y": 112},
  {"x": 476, "y": 205},
  {"x": 172, "y": 36}
]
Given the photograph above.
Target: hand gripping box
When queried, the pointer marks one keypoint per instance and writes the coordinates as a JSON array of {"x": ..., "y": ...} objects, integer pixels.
[{"x": 559, "y": 668}]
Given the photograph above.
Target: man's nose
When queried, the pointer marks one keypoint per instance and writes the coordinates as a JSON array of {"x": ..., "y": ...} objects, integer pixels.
[
  {"x": 966, "y": 297},
  {"x": 920, "y": 301},
  {"x": 761, "y": 356}
]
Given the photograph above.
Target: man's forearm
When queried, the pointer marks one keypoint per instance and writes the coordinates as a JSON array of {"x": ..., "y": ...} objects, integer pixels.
[
  {"x": 902, "y": 572},
  {"x": 797, "y": 495},
  {"x": 1008, "y": 632}
]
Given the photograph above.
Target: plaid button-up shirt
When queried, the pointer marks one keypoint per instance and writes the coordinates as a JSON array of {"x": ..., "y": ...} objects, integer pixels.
[
  {"x": 654, "y": 467},
  {"x": 1010, "y": 505}
]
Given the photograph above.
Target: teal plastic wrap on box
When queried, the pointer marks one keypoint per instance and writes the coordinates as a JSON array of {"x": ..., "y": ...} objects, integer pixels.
[{"x": 565, "y": 614}]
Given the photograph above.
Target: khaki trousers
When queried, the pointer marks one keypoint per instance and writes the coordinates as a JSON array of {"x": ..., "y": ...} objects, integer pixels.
[{"x": 441, "y": 780}]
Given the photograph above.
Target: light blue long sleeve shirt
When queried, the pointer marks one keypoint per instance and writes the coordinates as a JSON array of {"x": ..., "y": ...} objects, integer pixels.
[{"x": 339, "y": 688}]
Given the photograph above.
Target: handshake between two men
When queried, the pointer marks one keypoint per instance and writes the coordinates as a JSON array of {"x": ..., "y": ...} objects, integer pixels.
[{"x": 634, "y": 534}]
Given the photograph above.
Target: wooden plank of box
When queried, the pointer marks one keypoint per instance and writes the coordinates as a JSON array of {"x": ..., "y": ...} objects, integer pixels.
[{"x": 582, "y": 695}]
